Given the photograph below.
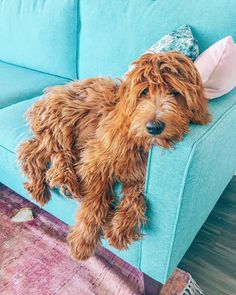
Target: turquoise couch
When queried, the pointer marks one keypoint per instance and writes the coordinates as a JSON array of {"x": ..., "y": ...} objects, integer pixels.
[{"x": 51, "y": 42}]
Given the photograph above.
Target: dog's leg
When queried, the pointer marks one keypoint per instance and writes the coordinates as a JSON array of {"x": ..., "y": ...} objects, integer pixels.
[
  {"x": 92, "y": 213},
  {"x": 91, "y": 217},
  {"x": 62, "y": 174},
  {"x": 125, "y": 224},
  {"x": 33, "y": 160}
]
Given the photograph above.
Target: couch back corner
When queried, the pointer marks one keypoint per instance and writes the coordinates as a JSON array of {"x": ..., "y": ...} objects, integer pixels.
[{"x": 41, "y": 35}]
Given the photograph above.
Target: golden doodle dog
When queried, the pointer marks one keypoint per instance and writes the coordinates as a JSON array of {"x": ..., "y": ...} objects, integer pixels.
[{"x": 97, "y": 132}]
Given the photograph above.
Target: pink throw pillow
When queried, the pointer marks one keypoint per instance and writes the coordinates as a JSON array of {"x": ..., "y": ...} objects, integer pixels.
[{"x": 217, "y": 67}]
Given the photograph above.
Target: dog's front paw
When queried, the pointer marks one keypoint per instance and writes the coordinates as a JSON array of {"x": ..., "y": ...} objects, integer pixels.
[
  {"x": 68, "y": 183},
  {"x": 66, "y": 191},
  {"x": 121, "y": 239},
  {"x": 79, "y": 246},
  {"x": 39, "y": 192}
]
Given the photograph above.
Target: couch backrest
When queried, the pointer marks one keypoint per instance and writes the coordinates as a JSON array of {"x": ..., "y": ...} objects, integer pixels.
[
  {"x": 40, "y": 34},
  {"x": 86, "y": 38},
  {"x": 115, "y": 32}
]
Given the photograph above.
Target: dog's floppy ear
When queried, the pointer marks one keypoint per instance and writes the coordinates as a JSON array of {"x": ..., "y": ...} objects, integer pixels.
[
  {"x": 191, "y": 86},
  {"x": 128, "y": 98},
  {"x": 197, "y": 103},
  {"x": 128, "y": 90}
]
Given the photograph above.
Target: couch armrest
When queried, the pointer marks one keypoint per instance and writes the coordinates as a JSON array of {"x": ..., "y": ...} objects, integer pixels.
[{"x": 183, "y": 185}]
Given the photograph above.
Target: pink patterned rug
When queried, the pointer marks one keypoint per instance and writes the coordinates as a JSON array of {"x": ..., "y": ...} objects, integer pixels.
[{"x": 34, "y": 260}]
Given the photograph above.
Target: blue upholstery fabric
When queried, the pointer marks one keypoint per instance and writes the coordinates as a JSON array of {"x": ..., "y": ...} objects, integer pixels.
[
  {"x": 17, "y": 83},
  {"x": 113, "y": 35},
  {"x": 182, "y": 184},
  {"x": 42, "y": 35}
]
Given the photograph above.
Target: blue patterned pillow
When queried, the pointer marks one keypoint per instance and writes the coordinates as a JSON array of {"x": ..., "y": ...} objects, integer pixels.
[{"x": 181, "y": 40}]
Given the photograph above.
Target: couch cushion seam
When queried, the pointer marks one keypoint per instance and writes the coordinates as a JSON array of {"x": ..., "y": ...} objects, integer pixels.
[
  {"x": 77, "y": 41},
  {"x": 145, "y": 194},
  {"x": 41, "y": 72},
  {"x": 3, "y": 147}
]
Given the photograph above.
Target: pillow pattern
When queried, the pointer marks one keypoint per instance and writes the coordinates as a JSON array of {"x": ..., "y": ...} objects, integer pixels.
[
  {"x": 217, "y": 67},
  {"x": 181, "y": 40}
]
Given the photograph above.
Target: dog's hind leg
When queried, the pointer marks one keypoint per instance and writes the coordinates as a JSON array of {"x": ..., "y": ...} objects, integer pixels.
[
  {"x": 33, "y": 160},
  {"x": 62, "y": 173},
  {"x": 125, "y": 224}
]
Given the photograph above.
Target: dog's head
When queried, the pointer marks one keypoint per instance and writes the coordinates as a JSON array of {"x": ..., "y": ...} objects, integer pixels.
[{"x": 162, "y": 94}]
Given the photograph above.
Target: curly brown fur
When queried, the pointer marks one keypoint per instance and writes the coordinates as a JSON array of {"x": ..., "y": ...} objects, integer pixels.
[
  {"x": 127, "y": 218},
  {"x": 94, "y": 132}
]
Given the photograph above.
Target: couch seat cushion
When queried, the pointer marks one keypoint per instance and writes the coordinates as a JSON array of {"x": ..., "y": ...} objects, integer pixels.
[
  {"x": 14, "y": 125},
  {"x": 17, "y": 83}
]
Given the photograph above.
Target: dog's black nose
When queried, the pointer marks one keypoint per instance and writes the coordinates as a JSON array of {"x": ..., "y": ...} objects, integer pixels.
[{"x": 155, "y": 128}]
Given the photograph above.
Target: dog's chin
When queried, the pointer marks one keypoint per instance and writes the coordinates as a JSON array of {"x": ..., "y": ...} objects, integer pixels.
[{"x": 163, "y": 141}]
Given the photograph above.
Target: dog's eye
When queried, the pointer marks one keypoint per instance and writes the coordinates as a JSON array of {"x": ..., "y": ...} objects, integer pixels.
[
  {"x": 174, "y": 93},
  {"x": 144, "y": 92}
]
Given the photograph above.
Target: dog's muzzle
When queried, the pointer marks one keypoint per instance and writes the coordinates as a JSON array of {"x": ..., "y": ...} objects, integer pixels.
[{"x": 155, "y": 128}]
